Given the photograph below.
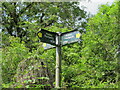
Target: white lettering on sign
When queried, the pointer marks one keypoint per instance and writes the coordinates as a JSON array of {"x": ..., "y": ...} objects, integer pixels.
[
  {"x": 68, "y": 34},
  {"x": 50, "y": 37},
  {"x": 49, "y": 34},
  {"x": 69, "y": 37}
]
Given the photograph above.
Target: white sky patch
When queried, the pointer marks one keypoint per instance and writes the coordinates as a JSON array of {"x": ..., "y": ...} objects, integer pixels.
[{"x": 92, "y": 5}]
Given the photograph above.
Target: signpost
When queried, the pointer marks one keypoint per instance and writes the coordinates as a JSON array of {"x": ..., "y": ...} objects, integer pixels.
[
  {"x": 57, "y": 40},
  {"x": 58, "y": 62},
  {"x": 70, "y": 37},
  {"x": 47, "y": 46},
  {"x": 47, "y": 37}
]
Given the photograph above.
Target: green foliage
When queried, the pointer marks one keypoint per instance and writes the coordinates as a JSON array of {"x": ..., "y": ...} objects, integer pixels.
[
  {"x": 11, "y": 56},
  {"x": 21, "y": 22},
  {"x": 92, "y": 63},
  {"x": 95, "y": 65},
  {"x": 25, "y": 19},
  {"x": 100, "y": 45}
]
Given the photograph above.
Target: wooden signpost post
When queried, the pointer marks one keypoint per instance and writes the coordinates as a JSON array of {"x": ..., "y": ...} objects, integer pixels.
[{"x": 52, "y": 40}]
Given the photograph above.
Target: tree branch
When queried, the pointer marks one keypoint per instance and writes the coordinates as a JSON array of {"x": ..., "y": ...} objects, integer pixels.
[{"x": 24, "y": 9}]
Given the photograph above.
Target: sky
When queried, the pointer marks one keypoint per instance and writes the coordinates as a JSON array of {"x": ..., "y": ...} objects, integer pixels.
[{"x": 93, "y": 5}]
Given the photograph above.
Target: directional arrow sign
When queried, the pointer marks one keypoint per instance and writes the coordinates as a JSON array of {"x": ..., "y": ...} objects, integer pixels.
[
  {"x": 47, "y": 46},
  {"x": 52, "y": 39},
  {"x": 47, "y": 37},
  {"x": 70, "y": 37}
]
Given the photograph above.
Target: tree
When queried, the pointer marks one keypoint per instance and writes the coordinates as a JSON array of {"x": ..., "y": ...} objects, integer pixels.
[
  {"x": 100, "y": 44},
  {"x": 25, "y": 19},
  {"x": 21, "y": 22}
]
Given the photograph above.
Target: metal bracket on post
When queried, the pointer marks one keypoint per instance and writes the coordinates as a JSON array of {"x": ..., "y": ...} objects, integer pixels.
[{"x": 58, "y": 61}]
